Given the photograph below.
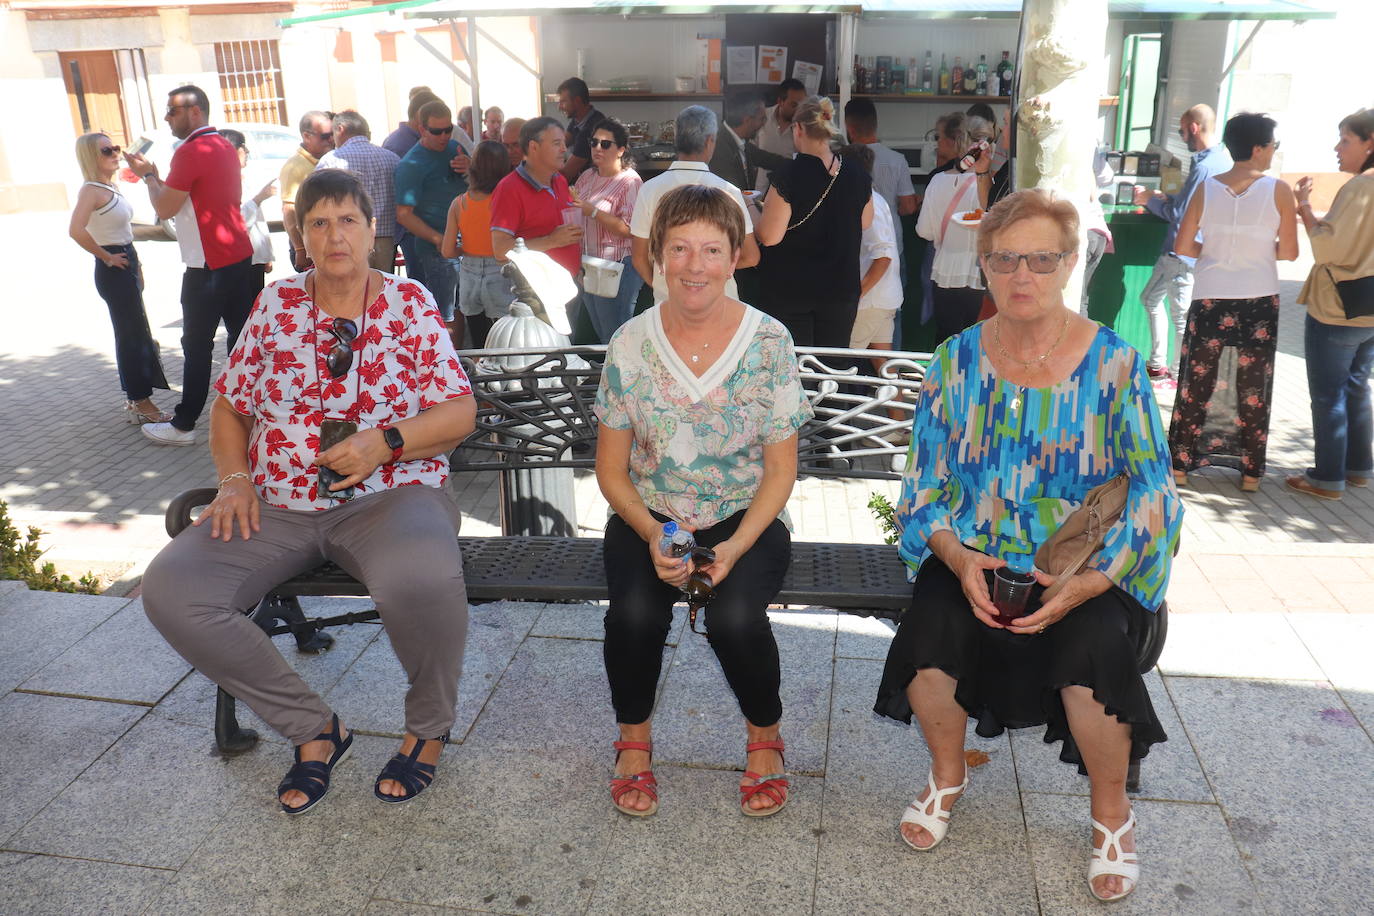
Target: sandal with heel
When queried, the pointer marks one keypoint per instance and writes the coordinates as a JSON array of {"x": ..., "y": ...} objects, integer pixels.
[
  {"x": 639, "y": 782},
  {"x": 311, "y": 777},
  {"x": 930, "y": 815},
  {"x": 773, "y": 785},
  {"x": 407, "y": 769},
  {"x": 1111, "y": 859}
]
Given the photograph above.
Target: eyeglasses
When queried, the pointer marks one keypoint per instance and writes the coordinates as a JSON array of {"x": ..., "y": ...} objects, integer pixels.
[
  {"x": 440, "y": 131},
  {"x": 1274, "y": 144},
  {"x": 173, "y": 109},
  {"x": 604, "y": 144},
  {"x": 322, "y": 134},
  {"x": 1039, "y": 262},
  {"x": 109, "y": 151},
  {"x": 340, "y": 358}
]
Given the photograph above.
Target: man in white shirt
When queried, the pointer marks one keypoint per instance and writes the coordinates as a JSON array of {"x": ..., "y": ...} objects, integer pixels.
[
  {"x": 891, "y": 171},
  {"x": 776, "y": 134},
  {"x": 696, "y": 142}
]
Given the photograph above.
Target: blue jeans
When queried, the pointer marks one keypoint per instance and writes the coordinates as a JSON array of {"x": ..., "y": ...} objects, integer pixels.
[
  {"x": 407, "y": 244},
  {"x": 610, "y": 312},
  {"x": 1339, "y": 358},
  {"x": 440, "y": 277}
]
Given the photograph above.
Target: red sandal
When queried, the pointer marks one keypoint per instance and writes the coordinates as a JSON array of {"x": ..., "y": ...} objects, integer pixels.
[
  {"x": 639, "y": 782},
  {"x": 773, "y": 786}
]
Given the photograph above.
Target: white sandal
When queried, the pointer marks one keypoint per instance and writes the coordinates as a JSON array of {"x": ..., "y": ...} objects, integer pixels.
[
  {"x": 930, "y": 814},
  {"x": 1125, "y": 865}
]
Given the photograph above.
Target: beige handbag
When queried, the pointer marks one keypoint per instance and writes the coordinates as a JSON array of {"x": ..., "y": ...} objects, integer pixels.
[{"x": 1082, "y": 534}]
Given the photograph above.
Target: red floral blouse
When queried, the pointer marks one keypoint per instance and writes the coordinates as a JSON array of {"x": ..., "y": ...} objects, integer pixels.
[{"x": 403, "y": 363}]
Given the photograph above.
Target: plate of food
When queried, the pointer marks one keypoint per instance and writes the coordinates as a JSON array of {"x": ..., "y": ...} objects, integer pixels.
[{"x": 970, "y": 218}]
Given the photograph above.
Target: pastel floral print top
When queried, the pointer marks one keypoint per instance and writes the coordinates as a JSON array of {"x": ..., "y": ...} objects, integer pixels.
[
  {"x": 698, "y": 445},
  {"x": 403, "y": 363},
  {"x": 1002, "y": 466}
]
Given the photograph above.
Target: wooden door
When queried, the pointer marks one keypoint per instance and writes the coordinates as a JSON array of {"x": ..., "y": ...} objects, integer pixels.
[{"x": 92, "y": 80}]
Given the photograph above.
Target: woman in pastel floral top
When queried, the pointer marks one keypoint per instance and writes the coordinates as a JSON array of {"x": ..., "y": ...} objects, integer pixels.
[
  {"x": 700, "y": 404},
  {"x": 1020, "y": 416}
]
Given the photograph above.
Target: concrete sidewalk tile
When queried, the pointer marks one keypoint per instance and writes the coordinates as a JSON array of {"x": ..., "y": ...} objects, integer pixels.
[
  {"x": 587, "y": 621},
  {"x": 372, "y": 693},
  {"x": 1331, "y": 571},
  {"x": 40, "y": 626},
  {"x": 48, "y": 742},
  {"x": 863, "y": 637},
  {"x": 380, "y": 907},
  {"x": 1341, "y": 645},
  {"x": 1236, "y": 645},
  {"x": 1355, "y": 597},
  {"x": 1188, "y": 861},
  {"x": 1171, "y": 771},
  {"x": 1194, "y": 597},
  {"x": 53, "y": 886},
  {"x": 125, "y": 808},
  {"x": 700, "y": 823},
  {"x": 698, "y": 721},
  {"x": 477, "y": 845},
  {"x": 326, "y": 862},
  {"x": 1272, "y": 749},
  {"x": 124, "y": 658}
]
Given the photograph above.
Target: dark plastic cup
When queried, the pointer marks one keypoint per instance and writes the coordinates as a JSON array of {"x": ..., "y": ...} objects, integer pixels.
[{"x": 1011, "y": 591}]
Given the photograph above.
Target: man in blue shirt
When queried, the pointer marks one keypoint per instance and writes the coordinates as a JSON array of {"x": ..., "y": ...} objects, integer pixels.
[
  {"x": 400, "y": 141},
  {"x": 428, "y": 178},
  {"x": 1173, "y": 274}
]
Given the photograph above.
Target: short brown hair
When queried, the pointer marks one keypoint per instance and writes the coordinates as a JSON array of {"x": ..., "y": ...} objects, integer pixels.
[
  {"x": 1361, "y": 124},
  {"x": 696, "y": 203},
  {"x": 335, "y": 185},
  {"x": 1029, "y": 204},
  {"x": 433, "y": 109},
  {"x": 490, "y": 163},
  {"x": 418, "y": 101}
]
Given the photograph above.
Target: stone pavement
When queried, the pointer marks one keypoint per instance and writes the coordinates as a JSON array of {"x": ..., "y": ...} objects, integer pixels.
[{"x": 113, "y": 800}]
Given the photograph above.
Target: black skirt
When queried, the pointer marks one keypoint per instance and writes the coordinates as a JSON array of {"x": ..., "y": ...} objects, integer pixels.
[{"x": 1007, "y": 680}]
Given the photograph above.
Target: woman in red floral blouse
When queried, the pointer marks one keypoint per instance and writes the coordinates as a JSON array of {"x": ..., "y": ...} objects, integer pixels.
[{"x": 330, "y": 437}]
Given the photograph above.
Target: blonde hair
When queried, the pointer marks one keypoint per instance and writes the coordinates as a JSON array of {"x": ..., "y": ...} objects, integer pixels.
[
  {"x": 1030, "y": 204},
  {"x": 88, "y": 155},
  {"x": 816, "y": 115}
]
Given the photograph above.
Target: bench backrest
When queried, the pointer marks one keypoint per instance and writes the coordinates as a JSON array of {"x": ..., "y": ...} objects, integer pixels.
[{"x": 535, "y": 409}]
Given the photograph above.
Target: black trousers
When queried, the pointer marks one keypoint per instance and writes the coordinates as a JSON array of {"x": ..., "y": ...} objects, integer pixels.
[
  {"x": 817, "y": 325},
  {"x": 956, "y": 308},
  {"x": 207, "y": 298},
  {"x": 136, "y": 356},
  {"x": 641, "y": 612}
]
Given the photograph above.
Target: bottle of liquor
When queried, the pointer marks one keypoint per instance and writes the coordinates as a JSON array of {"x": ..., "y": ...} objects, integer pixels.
[
  {"x": 860, "y": 75},
  {"x": 982, "y": 87},
  {"x": 1004, "y": 74},
  {"x": 956, "y": 80},
  {"x": 944, "y": 76},
  {"x": 970, "y": 79},
  {"x": 928, "y": 75}
]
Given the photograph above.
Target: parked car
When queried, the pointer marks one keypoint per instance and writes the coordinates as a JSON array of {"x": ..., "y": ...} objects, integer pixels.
[{"x": 269, "y": 146}]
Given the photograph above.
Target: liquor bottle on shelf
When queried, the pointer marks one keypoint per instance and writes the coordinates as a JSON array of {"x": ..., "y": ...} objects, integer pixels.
[
  {"x": 956, "y": 80},
  {"x": 982, "y": 88},
  {"x": 944, "y": 76},
  {"x": 928, "y": 75},
  {"x": 1004, "y": 74},
  {"x": 913, "y": 77},
  {"x": 860, "y": 75},
  {"x": 970, "y": 79}
]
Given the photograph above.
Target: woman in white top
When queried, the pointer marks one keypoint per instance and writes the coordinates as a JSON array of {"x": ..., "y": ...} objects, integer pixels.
[
  {"x": 1247, "y": 222},
  {"x": 102, "y": 223},
  {"x": 251, "y": 209},
  {"x": 957, "y": 288},
  {"x": 607, "y": 193}
]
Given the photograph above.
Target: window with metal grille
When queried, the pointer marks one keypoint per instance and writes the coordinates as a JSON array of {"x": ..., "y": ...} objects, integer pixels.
[{"x": 250, "y": 81}]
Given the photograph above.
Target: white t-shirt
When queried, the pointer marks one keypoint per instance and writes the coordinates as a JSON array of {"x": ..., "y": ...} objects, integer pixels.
[
  {"x": 956, "y": 246},
  {"x": 891, "y": 178},
  {"x": 677, "y": 175},
  {"x": 880, "y": 241}
]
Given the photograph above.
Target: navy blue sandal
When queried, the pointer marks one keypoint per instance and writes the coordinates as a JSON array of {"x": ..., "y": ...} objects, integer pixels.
[
  {"x": 407, "y": 769},
  {"x": 311, "y": 777}
]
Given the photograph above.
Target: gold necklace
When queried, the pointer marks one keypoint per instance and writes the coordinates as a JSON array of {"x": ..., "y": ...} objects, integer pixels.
[{"x": 1027, "y": 364}]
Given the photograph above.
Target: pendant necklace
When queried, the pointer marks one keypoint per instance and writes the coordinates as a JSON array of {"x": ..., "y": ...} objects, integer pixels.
[
  {"x": 696, "y": 357},
  {"x": 1027, "y": 364}
]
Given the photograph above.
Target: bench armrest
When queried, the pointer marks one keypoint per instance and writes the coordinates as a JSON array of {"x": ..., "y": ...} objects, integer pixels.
[{"x": 179, "y": 510}]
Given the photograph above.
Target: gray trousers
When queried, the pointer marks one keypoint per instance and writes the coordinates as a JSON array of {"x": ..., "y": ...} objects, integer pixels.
[{"x": 402, "y": 543}]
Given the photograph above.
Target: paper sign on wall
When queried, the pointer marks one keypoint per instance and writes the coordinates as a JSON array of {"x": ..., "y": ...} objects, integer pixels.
[
  {"x": 809, "y": 74},
  {"x": 739, "y": 64},
  {"x": 772, "y": 64}
]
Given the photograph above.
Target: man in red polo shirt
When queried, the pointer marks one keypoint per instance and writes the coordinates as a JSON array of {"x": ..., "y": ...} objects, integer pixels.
[
  {"x": 202, "y": 191},
  {"x": 529, "y": 202}
]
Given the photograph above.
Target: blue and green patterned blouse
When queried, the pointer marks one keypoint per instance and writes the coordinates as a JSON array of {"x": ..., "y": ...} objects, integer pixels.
[{"x": 1002, "y": 466}]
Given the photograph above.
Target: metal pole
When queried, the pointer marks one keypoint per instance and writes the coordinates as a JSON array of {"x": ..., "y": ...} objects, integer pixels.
[{"x": 476, "y": 80}]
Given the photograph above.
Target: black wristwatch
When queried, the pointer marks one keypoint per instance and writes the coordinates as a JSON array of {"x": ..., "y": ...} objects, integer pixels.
[{"x": 394, "y": 441}]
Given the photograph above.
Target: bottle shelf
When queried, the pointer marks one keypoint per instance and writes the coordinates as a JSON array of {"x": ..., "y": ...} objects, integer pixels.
[
  {"x": 1107, "y": 101},
  {"x": 648, "y": 97}
]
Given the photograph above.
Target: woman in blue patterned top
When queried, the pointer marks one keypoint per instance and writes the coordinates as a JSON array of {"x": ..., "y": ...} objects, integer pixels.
[
  {"x": 700, "y": 403},
  {"x": 1020, "y": 416}
]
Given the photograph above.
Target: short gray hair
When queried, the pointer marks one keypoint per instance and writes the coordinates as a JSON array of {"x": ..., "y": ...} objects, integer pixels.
[
  {"x": 352, "y": 124},
  {"x": 695, "y": 125}
]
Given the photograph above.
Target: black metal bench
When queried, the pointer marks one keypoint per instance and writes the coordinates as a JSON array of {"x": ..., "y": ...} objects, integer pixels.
[{"x": 535, "y": 426}]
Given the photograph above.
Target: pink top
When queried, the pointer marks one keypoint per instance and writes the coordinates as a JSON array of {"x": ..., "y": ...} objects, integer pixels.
[
  {"x": 403, "y": 363},
  {"x": 616, "y": 195}
]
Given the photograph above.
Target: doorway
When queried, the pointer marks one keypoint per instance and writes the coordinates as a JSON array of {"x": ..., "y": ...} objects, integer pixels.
[
  {"x": 1139, "y": 87},
  {"x": 93, "y": 93}
]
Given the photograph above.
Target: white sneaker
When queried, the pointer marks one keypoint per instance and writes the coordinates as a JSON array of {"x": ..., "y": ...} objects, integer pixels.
[{"x": 167, "y": 434}]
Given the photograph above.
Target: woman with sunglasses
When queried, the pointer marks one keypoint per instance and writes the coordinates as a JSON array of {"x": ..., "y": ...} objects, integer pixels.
[
  {"x": 102, "y": 223},
  {"x": 607, "y": 193},
  {"x": 1020, "y": 416},
  {"x": 330, "y": 438},
  {"x": 1248, "y": 223}
]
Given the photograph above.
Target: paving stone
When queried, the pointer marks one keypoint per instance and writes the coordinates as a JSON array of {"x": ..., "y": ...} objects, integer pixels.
[
  {"x": 1188, "y": 861},
  {"x": 376, "y": 907},
  {"x": 1273, "y": 748},
  {"x": 587, "y": 621},
  {"x": 1221, "y": 645},
  {"x": 863, "y": 637},
  {"x": 41, "y": 885},
  {"x": 1341, "y": 645},
  {"x": 39, "y": 626}
]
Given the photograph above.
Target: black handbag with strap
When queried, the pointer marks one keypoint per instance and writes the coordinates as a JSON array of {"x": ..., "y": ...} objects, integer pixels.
[{"x": 1357, "y": 295}]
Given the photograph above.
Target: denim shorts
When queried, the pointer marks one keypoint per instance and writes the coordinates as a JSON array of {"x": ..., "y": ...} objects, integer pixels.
[{"x": 482, "y": 290}]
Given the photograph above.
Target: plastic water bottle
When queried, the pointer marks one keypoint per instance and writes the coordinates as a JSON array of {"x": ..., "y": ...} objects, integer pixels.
[{"x": 676, "y": 541}]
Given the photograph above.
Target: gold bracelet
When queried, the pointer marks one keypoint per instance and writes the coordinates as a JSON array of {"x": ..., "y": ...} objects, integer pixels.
[{"x": 228, "y": 477}]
